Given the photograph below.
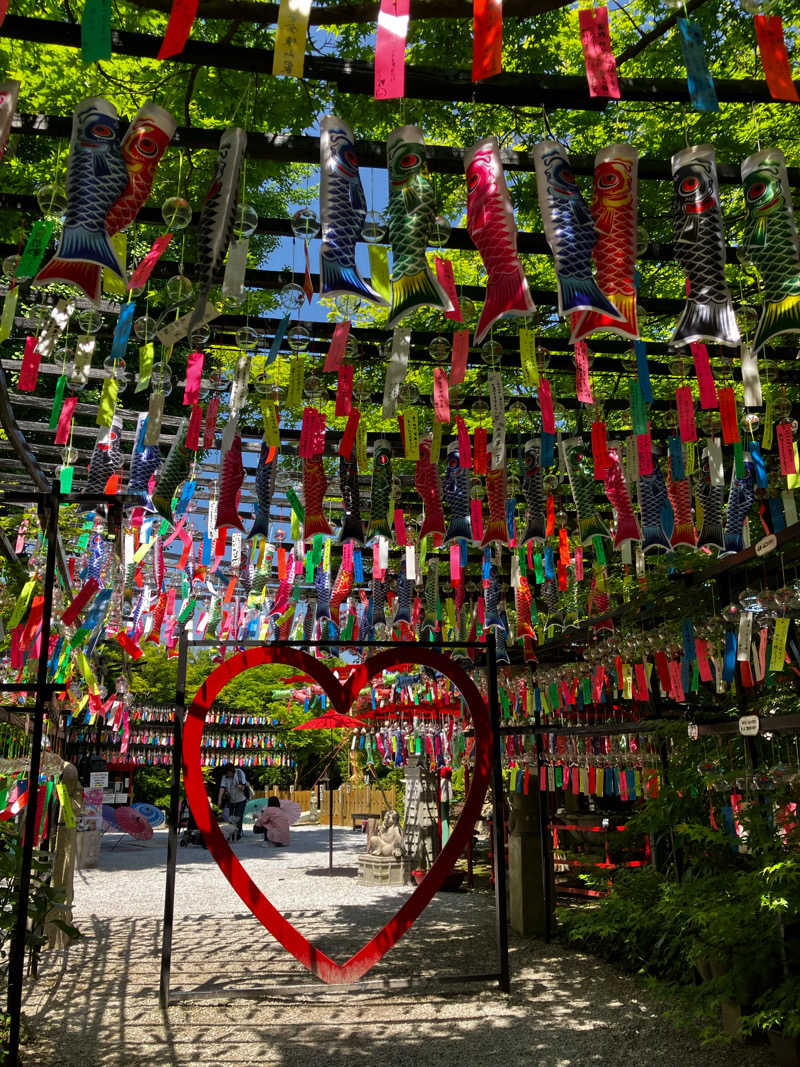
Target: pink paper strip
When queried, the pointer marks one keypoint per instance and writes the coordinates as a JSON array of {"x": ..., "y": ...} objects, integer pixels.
[
  {"x": 582, "y": 384},
  {"x": 400, "y": 527},
  {"x": 687, "y": 427},
  {"x": 783, "y": 431},
  {"x": 29, "y": 371},
  {"x": 441, "y": 395},
  {"x": 210, "y": 427},
  {"x": 601, "y": 67},
  {"x": 390, "y": 49},
  {"x": 578, "y": 563},
  {"x": 145, "y": 268},
  {"x": 377, "y": 571},
  {"x": 546, "y": 407},
  {"x": 194, "y": 428},
  {"x": 344, "y": 390},
  {"x": 65, "y": 420},
  {"x": 181, "y": 19},
  {"x": 705, "y": 377},
  {"x": 455, "y": 562},
  {"x": 194, "y": 372},
  {"x": 333, "y": 360},
  {"x": 444, "y": 275},
  {"x": 458, "y": 367},
  {"x": 644, "y": 448}
]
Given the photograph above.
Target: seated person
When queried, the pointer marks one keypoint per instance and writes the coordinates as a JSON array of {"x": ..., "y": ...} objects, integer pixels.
[{"x": 273, "y": 822}]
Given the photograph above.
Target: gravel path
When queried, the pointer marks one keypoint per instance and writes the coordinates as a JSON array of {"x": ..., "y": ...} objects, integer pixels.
[{"x": 96, "y": 1004}]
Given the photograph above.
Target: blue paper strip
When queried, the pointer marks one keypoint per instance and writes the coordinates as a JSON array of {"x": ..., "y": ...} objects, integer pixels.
[
  {"x": 759, "y": 468},
  {"x": 776, "y": 514},
  {"x": 549, "y": 565},
  {"x": 123, "y": 330},
  {"x": 701, "y": 84},
  {"x": 729, "y": 663},
  {"x": 676, "y": 464},
  {"x": 643, "y": 371},
  {"x": 548, "y": 449},
  {"x": 687, "y": 633},
  {"x": 358, "y": 566},
  {"x": 277, "y": 341}
]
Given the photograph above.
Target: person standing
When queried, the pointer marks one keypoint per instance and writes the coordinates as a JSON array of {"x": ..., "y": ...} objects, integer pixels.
[{"x": 233, "y": 791}]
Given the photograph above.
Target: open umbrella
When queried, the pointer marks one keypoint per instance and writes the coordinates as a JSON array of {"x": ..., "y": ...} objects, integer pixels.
[
  {"x": 154, "y": 815},
  {"x": 331, "y": 720},
  {"x": 134, "y": 823}
]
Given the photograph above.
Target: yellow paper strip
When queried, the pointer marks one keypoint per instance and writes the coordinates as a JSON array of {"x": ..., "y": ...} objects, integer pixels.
[{"x": 290, "y": 42}]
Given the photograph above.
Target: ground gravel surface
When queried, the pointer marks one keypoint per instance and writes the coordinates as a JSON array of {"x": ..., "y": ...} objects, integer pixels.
[{"x": 96, "y": 1005}]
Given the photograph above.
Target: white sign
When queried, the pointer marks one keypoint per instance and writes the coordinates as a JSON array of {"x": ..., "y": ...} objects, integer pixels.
[
  {"x": 766, "y": 545},
  {"x": 98, "y": 780},
  {"x": 694, "y": 733},
  {"x": 748, "y": 725}
]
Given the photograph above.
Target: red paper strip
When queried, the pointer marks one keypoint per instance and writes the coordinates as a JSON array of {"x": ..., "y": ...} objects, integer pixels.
[
  {"x": 390, "y": 49},
  {"x": 783, "y": 431},
  {"x": 333, "y": 360},
  {"x": 344, "y": 390},
  {"x": 687, "y": 427},
  {"x": 599, "y": 450},
  {"x": 464, "y": 447},
  {"x": 662, "y": 669},
  {"x": 349, "y": 435},
  {"x": 210, "y": 427},
  {"x": 641, "y": 685},
  {"x": 644, "y": 448},
  {"x": 441, "y": 395},
  {"x": 308, "y": 285},
  {"x": 480, "y": 441},
  {"x": 145, "y": 268},
  {"x": 563, "y": 546},
  {"x": 601, "y": 67},
  {"x": 583, "y": 387},
  {"x": 546, "y": 407},
  {"x": 458, "y": 366},
  {"x": 305, "y": 447},
  {"x": 65, "y": 420},
  {"x": 728, "y": 416},
  {"x": 194, "y": 428},
  {"x": 444, "y": 275},
  {"x": 578, "y": 563},
  {"x": 132, "y": 649},
  {"x": 487, "y": 39},
  {"x": 746, "y": 674},
  {"x": 186, "y": 541},
  {"x": 3, "y": 10},
  {"x": 455, "y": 562},
  {"x": 705, "y": 377},
  {"x": 476, "y": 512},
  {"x": 79, "y": 603},
  {"x": 400, "y": 527},
  {"x": 775, "y": 58},
  {"x": 179, "y": 27},
  {"x": 550, "y": 516},
  {"x": 29, "y": 371},
  {"x": 704, "y": 667},
  {"x": 194, "y": 373}
]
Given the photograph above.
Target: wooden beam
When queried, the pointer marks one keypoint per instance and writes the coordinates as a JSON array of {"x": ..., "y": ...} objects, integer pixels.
[{"x": 552, "y": 91}]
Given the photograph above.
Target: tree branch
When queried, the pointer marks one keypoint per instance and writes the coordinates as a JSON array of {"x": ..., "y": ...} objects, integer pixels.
[
  {"x": 659, "y": 30},
  {"x": 337, "y": 14}
]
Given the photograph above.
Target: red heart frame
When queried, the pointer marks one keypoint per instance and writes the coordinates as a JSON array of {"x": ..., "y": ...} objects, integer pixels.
[{"x": 342, "y": 698}]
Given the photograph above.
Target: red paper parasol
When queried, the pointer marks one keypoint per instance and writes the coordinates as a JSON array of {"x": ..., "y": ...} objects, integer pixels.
[
  {"x": 134, "y": 823},
  {"x": 331, "y": 720}
]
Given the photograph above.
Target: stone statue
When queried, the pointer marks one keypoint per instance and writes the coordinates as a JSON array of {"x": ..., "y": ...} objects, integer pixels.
[
  {"x": 64, "y": 860},
  {"x": 388, "y": 841}
]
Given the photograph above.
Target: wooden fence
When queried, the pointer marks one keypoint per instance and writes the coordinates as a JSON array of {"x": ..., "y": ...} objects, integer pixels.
[{"x": 348, "y": 800}]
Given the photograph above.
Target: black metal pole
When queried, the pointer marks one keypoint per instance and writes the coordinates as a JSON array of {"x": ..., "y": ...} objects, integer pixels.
[
  {"x": 16, "y": 961},
  {"x": 544, "y": 831},
  {"x": 500, "y": 892},
  {"x": 172, "y": 837},
  {"x": 330, "y": 809}
]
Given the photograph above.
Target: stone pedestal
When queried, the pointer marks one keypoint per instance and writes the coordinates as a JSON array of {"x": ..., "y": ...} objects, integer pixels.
[
  {"x": 526, "y": 894},
  {"x": 420, "y": 823},
  {"x": 383, "y": 870},
  {"x": 87, "y": 849}
]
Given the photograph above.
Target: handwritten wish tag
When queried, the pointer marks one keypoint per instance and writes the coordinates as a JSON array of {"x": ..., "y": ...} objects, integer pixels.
[
  {"x": 333, "y": 359},
  {"x": 783, "y": 431},
  {"x": 441, "y": 395},
  {"x": 775, "y": 57},
  {"x": 705, "y": 377},
  {"x": 601, "y": 67},
  {"x": 583, "y": 386},
  {"x": 728, "y": 416},
  {"x": 390, "y": 49},
  {"x": 687, "y": 426},
  {"x": 546, "y": 407},
  {"x": 458, "y": 367},
  {"x": 288, "y": 58},
  {"x": 644, "y": 450},
  {"x": 96, "y": 31}
]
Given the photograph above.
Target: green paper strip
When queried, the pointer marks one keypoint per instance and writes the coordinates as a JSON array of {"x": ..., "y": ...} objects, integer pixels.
[
  {"x": 297, "y": 507},
  {"x": 523, "y": 562},
  {"x": 347, "y": 633},
  {"x": 187, "y": 610},
  {"x": 96, "y": 31},
  {"x": 316, "y": 551},
  {"x": 146, "y": 356},
  {"x": 309, "y": 568},
  {"x": 108, "y": 402},
  {"x": 638, "y": 407},
  {"x": 164, "y": 528},
  {"x": 35, "y": 248},
  {"x": 738, "y": 458},
  {"x": 538, "y": 569},
  {"x": 599, "y": 551},
  {"x": 9, "y": 310},
  {"x": 65, "y": 479},
  {"x": 21, "y": 605},
  {"x": 58, "y": 401}
]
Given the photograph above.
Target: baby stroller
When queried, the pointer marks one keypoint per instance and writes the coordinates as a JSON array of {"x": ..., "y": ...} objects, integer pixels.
[{"x": 190, "y": 835}]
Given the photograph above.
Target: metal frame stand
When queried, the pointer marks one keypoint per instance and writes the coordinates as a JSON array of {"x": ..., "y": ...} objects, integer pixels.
[
  {"x": 48, "y": 504},
  {"x": 168, "y": 996}
]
